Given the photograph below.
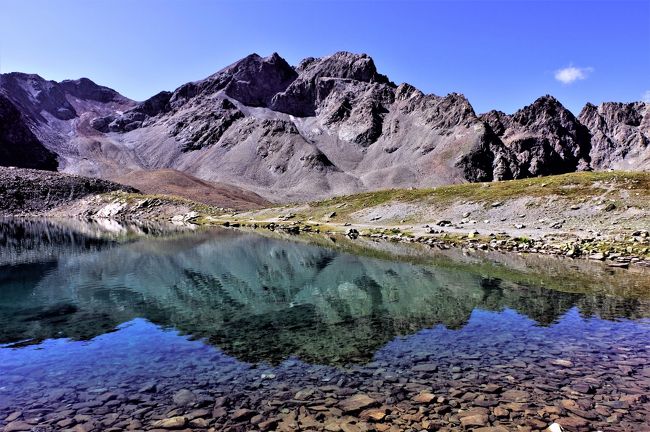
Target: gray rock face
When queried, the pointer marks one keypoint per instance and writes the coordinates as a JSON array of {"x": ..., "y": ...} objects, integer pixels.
[
  {"x": 620, "y": 134},
  {"x": 133, "y": 118},
  {"x": 197, "y": 130},
  {"x": 253, "y": 81},
  {"x": 317, "y": 77},
  {"x": 86, "y": 89},
  {"x": 328, "y": 126},
  {"x": 544, "y": 137},
  {"x": 37, "y": 96}
]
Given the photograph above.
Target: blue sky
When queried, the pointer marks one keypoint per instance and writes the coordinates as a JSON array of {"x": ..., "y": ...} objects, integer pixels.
[{"x": 501, "y": 55}]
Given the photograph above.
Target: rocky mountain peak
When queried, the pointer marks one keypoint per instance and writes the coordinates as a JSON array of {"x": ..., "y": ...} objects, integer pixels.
[
  {"x": 254, "y": 80},
  {"x": 86, "y": 89},
  {"x": 545, "y": 135},
  {"x": 543, "y": 109},
  {"x": 37, "y": 95},
  {"x": 318, "y": 77},
  {"x": 406, "y": 91},
  {"x": 618, "y": 131},
  {"x": 347, "y": 65},
  {"x": 497, "y": 120}
]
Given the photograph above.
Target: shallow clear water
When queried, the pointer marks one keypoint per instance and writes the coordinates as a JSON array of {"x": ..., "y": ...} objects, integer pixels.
[{"x": 124, "y": 331}]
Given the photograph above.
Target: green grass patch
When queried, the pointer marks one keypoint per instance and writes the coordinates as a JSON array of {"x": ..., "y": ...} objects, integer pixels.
[{"x": 573, "y": 185}]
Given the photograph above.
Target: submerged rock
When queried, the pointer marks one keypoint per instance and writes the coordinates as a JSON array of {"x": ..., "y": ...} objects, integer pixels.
[
  {"x": 184, "y": 397},
  {"x": 357, "y": 403},
  {"x": 177, "y": 422}
]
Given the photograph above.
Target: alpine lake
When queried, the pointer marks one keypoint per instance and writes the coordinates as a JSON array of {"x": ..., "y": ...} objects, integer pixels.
[{"x": 114, "y": 327}]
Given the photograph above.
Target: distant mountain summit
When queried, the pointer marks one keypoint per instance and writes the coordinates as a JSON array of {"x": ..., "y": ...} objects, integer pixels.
[{"x": 327, "y": 126}]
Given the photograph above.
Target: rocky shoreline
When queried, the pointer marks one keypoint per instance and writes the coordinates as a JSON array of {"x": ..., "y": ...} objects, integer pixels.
[{"x": 618, "y": 252}]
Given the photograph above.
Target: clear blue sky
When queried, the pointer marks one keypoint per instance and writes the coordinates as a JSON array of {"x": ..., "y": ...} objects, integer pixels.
[{"x": 499, "y": 54}]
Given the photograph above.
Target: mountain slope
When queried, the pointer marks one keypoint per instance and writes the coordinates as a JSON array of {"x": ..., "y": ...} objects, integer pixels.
[
  {"x": 334, "y": 125},
  {"x": 18, "y": 145},
  {"x": 172, "y": 182},
  {"x": 329, "y": 126},
  {"x": 59, "y": 114}
]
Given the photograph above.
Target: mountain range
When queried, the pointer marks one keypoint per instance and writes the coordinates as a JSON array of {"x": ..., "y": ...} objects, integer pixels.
[{"x": 328, "y": 126}]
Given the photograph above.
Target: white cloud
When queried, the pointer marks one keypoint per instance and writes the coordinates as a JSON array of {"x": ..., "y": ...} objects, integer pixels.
[
  {"x": 571, "y": 74},
  {"x": 646, "y": 96}
]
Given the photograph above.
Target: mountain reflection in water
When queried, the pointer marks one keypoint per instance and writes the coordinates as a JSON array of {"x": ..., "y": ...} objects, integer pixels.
[{"x": 257, "y": 298}]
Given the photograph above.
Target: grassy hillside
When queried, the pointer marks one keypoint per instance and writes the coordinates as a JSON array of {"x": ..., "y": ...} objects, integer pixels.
[
  {"x": 579, "y": 195},
  {"x": 573, "y": 186}
]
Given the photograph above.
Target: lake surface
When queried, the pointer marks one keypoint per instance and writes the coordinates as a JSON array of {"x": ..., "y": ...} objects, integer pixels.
[{"x": 106, "y": 327}]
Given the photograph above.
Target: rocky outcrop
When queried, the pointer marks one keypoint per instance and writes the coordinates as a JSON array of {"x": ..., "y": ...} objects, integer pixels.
[
  {"x": 37, "y": 97},
  {"x": 197, "y": 130},
  {"x": 620, "y": 134},
  {"x": 18, "y": 145},
  {"x": 27, "y": 191},
  {"x": 86, "y": 89},
  {"x": 333, "y": 125},
  {"x": 545, "y": 138},
  {"x": 133, "y": 118},
  {"x": 317, "y": 77}
]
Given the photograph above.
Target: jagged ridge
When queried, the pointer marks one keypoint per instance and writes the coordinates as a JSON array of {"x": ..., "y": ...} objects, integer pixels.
[{"x": 327, "y": 126}]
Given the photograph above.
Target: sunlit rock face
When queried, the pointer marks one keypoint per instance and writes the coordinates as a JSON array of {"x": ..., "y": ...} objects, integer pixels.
[{"x": 620, "y": 134}]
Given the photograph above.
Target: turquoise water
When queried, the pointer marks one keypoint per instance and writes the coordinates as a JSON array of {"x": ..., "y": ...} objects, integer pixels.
[{"x": 231, "y": 313}]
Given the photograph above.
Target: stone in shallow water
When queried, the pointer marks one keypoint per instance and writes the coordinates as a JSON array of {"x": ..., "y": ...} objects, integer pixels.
[
  {"x": 332, "y": 426},
  {"x": 199, "y": 413},
  {"x": 357, "y": 403},
  {"x": 474, "y": 420},
  {"x": 349, "y": 427},
  {"x": 491, "y": 388},
  {"x": 184, "y": 397},
  {"x": 515, "y": 396},
  {"x": 13, "y": 416},
  {"x": 66, "y": 423},
  {"x": 424, "y": 398},
  {"x": 376, "y": 414},
  {"x": 219, "y": 412},
  {"x": 199, "y": 423},
  {"x": 562, "y": 362},
  {"x": 304, "y": 394},
  {"x": 268, "y": 425},
  {"x": 242, "y": 414},
  {"x": 171, "y": 423},
  {"x": 427, "y": 367},
  {"x": 148, "y": 388},
  {"x": 573, "y": 423},
  {"x": 17, "y": 426}
]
